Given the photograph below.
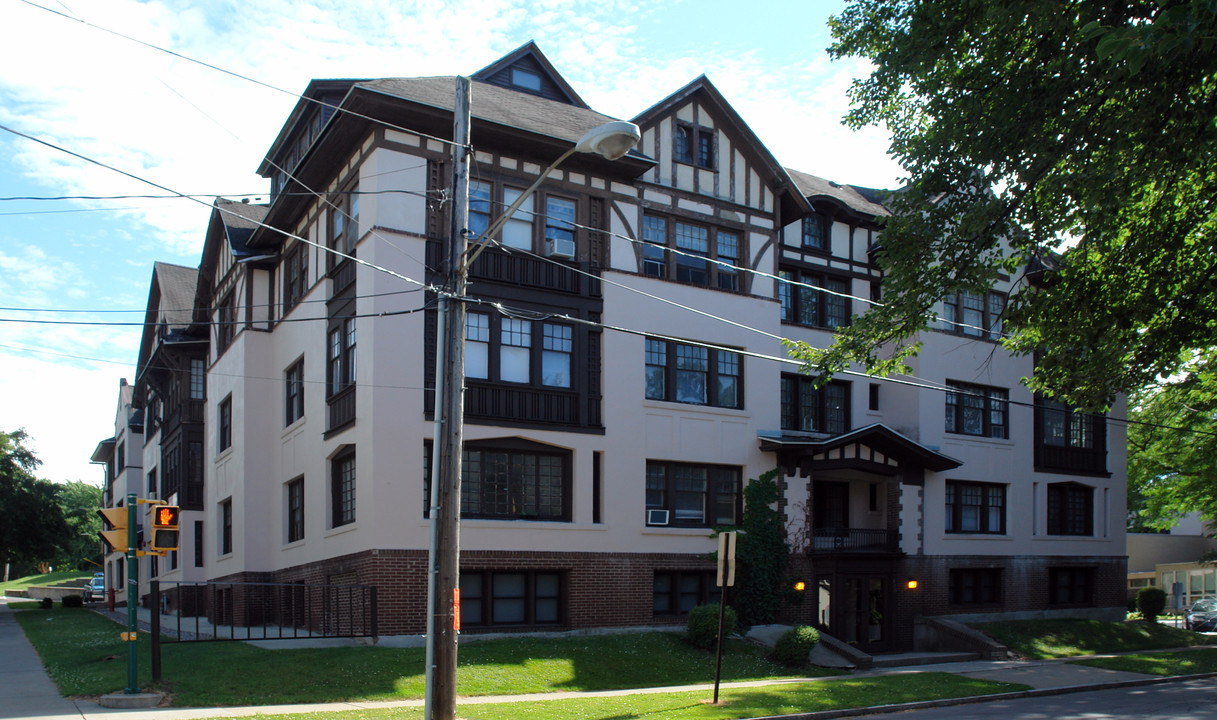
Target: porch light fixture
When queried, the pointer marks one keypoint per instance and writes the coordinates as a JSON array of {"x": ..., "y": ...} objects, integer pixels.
[
  {"x": 911, "y": 584},
  {"x": 800, "y": 586}
]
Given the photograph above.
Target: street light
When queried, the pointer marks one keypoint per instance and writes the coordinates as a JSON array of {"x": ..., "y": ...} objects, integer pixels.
[{"x": 612, "y": 141}]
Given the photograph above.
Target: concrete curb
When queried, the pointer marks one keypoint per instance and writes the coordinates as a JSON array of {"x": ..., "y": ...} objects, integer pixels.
[{"x": 977, "y": 699}]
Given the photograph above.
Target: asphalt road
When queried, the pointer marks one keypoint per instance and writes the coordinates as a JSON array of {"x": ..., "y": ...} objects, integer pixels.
[{"x": 1190, "y": 700}]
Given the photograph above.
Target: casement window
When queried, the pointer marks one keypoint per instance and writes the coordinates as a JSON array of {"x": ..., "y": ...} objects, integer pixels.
[
  {"x": 198, "y": 379},
  {"x": 1069, "y": 441},
  {"x": 705, "y": 255},
  {"x": 293, "y": 392},
  {"x": 511, "y": 481},
  {"x": 1071, "y": 585},
  {"x": 226, "y": 527},
  {"x": 1063, "y": 427},
  {"x": 344, "y": 224},
  {"x": 803, "y": 303},
  {"x": 226, "y": 322},
  {"x": 342, "y": 488},
  {"x": 693, "y": 374},
  {"x": 694, "y": 145},
  {"x": 224, "y": 424},
  {"x": 973, "y": 507},
  {"x": 525, "y": 597},
  {"x": 1070, "y": 509},
  {"x": 556, "y": 216},
  {"x": 807, "y": 408},
  {"x": 815, "y": 232},
  {"x": 974, "y": 586},
  {"x": 152, "y": 483},
  {"x": 678, "y": 592},
  {"x": 295, "y": 510},
  {"x": 975, "y": 314},
  {"x": 514, "y": 350},
  {"x": 977, "y": 410},
  {"x": 340, "y": 370},
  {"x": 694, "y": 495},
  {"x": 295, "y": 276},
  {"x": 515, "y": 484}
]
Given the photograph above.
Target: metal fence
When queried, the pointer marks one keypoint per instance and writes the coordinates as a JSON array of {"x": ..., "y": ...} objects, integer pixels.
[{"x": 207, "y": 611}]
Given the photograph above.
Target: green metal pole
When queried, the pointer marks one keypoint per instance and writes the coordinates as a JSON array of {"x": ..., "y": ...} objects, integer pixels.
[{"x": 132, "y": 597}]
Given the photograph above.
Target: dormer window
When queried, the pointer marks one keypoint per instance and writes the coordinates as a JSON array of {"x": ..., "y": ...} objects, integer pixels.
[
  {"x": 694, "y": 145},
  {"x": 526, "y": 79}
]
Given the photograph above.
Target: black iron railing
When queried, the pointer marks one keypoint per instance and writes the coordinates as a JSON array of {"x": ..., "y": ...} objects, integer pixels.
[
  {"x": 204, "y": 611},
  {"x": 827, "y": 540}
]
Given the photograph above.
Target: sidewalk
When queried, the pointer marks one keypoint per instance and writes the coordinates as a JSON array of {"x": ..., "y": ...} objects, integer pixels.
[{"x": 26, "y": 693}]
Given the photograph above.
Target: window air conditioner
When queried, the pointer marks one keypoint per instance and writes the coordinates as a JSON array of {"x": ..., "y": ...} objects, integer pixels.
[
  {"x": 560, "y": 248},
  {"x": 657, "y": 517}
]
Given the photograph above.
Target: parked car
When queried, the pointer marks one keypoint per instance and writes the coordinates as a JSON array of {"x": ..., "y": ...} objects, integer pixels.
[
  {"x": 96, "y": 589},
  {"x": 1202, "y": 615}
]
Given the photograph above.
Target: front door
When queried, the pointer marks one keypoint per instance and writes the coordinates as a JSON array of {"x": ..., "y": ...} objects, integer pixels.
[{"x": 857, "y": 610}]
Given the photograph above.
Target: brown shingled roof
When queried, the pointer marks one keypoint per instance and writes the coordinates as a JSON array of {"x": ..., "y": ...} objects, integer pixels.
[
  {"x": 177, "y": 285},
  {"x": 496, "y": 104},
  {"x": 854, "y": 198}
]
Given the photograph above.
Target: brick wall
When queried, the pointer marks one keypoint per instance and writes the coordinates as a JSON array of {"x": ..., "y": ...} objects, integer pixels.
[{"x": 600, "y": 589}]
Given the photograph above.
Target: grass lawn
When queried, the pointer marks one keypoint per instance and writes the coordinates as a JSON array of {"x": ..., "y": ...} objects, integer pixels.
[
  {"x": 84, "y": 656},
  {"x": 833, "y": 694},
  {"x": 55, "y": 578},
  {"x": 1039, "y": 639},
  {"x": 1183, "y": 662}
]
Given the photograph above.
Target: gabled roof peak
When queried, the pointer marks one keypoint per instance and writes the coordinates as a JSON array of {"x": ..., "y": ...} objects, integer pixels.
[{"x": 527, "y": 70}]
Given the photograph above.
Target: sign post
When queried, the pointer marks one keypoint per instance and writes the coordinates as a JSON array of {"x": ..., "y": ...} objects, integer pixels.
[{"x": 725, "y": 579}]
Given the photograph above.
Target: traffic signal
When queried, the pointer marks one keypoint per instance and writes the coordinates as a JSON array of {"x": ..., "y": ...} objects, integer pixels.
[
  {"x": 114, "y": 534},
  {"x": 165, "y": 527}
]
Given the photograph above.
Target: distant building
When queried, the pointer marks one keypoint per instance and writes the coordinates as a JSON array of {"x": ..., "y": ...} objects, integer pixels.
[{"x": 1175, "y": 561}]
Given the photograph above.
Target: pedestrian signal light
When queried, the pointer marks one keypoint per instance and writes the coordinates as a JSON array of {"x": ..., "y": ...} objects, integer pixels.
[
  {"x": 114, "y": 532},
  {"x": 165, "y": 527}
]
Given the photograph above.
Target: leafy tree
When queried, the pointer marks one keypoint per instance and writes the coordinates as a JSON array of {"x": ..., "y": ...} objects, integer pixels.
[
  {"x": 79, "y": 502},
  {"x": 1025, "y": 125},
  {"x": 34, "y": 528},
  {"x": 761, "y": 553},
  {"x": 1172, "y": 448}
]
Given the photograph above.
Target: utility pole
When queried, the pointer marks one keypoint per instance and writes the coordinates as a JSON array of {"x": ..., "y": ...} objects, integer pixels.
[{"x": 444, "y": 567}]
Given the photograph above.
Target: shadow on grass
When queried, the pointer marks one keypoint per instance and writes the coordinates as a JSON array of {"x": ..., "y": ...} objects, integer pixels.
[
  {"x": 1039, "y": 639},
  {"x": 83, "y": 653}
]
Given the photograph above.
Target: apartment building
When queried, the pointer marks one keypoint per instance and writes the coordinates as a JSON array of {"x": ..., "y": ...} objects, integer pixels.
[{"x": 624, "y": 380}]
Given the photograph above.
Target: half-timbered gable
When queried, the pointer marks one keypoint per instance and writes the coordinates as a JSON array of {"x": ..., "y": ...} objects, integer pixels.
[{"x": 712, "y": 204}]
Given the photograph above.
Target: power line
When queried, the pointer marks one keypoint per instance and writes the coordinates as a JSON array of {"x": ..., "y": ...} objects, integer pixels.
[
  {"x": 232, "y": 73},
  {"x": 217, "y": 207}
]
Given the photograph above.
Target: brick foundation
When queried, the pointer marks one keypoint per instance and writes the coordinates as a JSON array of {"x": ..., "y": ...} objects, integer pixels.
[{"x": 599, "y": 589}]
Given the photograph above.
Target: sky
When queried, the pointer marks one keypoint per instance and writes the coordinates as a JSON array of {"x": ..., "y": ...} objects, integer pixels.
[{"x": 75, "y": 273}]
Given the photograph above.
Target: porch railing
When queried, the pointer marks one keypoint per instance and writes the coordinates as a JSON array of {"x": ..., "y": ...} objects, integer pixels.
[{"x": 827, "y": 540}]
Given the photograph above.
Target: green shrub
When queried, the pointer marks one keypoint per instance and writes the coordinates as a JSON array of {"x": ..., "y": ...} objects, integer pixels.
[
  {"x": 46, "y": 603},
  {"x": 702, "y": 631},
  {"x": 795, "y": 645},
  {"x": 72, "y": 601},
  {"x": 1151, "y": 601}
]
